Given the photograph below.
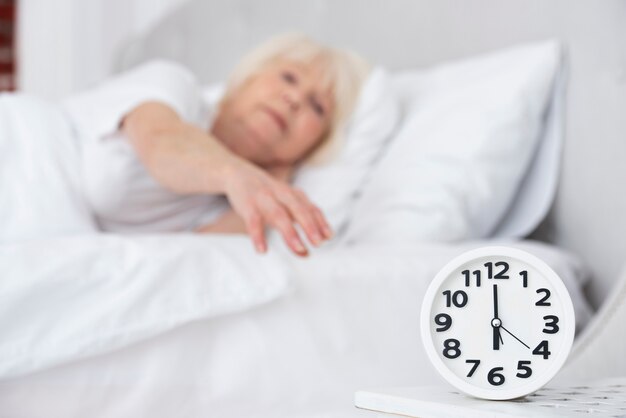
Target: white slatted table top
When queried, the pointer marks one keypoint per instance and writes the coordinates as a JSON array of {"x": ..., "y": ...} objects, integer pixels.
[{"x": 603, "y": 398}]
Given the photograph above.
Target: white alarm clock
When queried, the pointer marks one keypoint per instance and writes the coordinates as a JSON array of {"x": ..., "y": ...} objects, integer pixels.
[{"x": 497, "y": 323}]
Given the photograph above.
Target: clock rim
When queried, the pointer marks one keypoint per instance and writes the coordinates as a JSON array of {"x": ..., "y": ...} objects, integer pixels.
[{"x": 488, "y": 393}]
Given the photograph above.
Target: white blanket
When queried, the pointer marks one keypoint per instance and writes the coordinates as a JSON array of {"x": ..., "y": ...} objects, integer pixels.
[{"x": 39, "y": 172}]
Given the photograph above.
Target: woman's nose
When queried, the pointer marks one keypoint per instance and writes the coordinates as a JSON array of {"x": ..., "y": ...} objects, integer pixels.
[{"x": 293, "y": 99}]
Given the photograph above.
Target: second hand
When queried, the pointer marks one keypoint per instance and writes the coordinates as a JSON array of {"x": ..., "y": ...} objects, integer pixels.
[{"x": 511, "y": 334}]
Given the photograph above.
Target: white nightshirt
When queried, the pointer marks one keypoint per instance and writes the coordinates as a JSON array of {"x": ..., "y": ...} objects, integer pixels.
[{"x": 117, "y": 187}]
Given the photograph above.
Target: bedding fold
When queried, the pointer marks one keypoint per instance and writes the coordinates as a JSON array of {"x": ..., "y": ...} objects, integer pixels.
[{"x": 64, "y": 299}]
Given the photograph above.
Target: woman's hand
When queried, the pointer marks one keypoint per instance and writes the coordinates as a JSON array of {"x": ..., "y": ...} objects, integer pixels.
[{"x": 262, "y": 200}]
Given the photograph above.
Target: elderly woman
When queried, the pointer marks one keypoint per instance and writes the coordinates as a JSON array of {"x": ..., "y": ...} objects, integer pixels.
[{"x": 157, "y": 155}]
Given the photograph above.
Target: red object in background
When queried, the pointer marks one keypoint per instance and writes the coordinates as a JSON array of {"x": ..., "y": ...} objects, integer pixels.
[{"x": 7, "y": 45}]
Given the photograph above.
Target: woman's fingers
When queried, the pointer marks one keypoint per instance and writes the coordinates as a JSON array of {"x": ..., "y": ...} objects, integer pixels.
[
  {"x": 254, "y": 224},
  {"x": 320, "y": 220},
  {"x": 277, "y": 216},
  {"x": 302, "y": 212}
]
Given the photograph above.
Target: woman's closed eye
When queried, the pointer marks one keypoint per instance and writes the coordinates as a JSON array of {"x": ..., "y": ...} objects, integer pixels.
[
  {"x": 317, "y": 106},
  {"x": 289, "y": 77}
]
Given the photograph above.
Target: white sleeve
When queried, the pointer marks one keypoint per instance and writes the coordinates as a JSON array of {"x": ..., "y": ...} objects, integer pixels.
[{"x": 98, "y": 112}]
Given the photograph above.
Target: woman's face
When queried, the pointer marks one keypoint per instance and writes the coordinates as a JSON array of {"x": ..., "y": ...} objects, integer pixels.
[{"x": 277, "y": 116}]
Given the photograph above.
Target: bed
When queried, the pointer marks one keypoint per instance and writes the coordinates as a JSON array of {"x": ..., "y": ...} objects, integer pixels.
[
  {"x": 347, "y": 319},
  {"x": 291, "y": 337}
]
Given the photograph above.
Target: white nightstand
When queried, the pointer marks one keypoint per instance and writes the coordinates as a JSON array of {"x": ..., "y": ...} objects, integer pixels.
[{"x": 601, "y": 398}]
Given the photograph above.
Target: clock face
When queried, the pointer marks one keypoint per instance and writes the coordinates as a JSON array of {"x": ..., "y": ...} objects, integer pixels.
[{"x": 497, "y": 323}]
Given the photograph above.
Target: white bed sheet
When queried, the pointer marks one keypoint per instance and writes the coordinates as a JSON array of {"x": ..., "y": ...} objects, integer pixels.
[{"x": 349, "y": 321}]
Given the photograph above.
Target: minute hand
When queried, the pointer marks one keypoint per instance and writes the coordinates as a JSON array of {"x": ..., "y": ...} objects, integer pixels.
[{"x": 495, "y": 301}]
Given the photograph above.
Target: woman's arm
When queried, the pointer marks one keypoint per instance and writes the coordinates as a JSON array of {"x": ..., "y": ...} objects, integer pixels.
[
  {"x": 187, "y": 160},
  {"x": 180, "y": 156}
]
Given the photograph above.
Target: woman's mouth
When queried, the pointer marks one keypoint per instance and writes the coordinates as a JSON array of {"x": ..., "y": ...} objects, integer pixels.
[{"x": 276, "y": 117}]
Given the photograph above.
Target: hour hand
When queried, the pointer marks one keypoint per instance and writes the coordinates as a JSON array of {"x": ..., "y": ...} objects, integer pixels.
[
  {"x": 496, "y": 339},
  {"x": 497, "y": 335}
]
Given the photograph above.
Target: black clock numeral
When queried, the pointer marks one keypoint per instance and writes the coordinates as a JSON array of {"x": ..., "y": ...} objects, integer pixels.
[
  {"x": 522, "y": 365},
  {"x": 546, "y": 296},
  {"x": 494, "y": 378},
  {"x": 552, "y": 324},
  {"x": 474, "y": 367},
  {"x": 467, "y": 274},
  {"x": 542, "y": 350},
  {"x": 444, "y": 320},
  {"x": 451, "y": 348},
  {"x": 524, "y": 275},
  {"x": 499, "y": 275},
  {"x": 458, "y": 298}
]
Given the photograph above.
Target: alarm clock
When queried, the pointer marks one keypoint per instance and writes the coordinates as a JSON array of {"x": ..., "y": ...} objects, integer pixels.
[{"x": 497, "y": 323}]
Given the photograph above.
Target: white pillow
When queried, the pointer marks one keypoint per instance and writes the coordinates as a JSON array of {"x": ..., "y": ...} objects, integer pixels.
[
  {"x": 469, "y": 134},
  {"x": 333, "y": 186}
]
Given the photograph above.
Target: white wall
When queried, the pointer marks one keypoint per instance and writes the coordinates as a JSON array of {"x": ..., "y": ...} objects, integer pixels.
[{"x": 66, "y": 45}]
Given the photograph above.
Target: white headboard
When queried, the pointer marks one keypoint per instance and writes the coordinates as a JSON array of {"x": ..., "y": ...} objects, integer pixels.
[{"x": 589, "y": 216}]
